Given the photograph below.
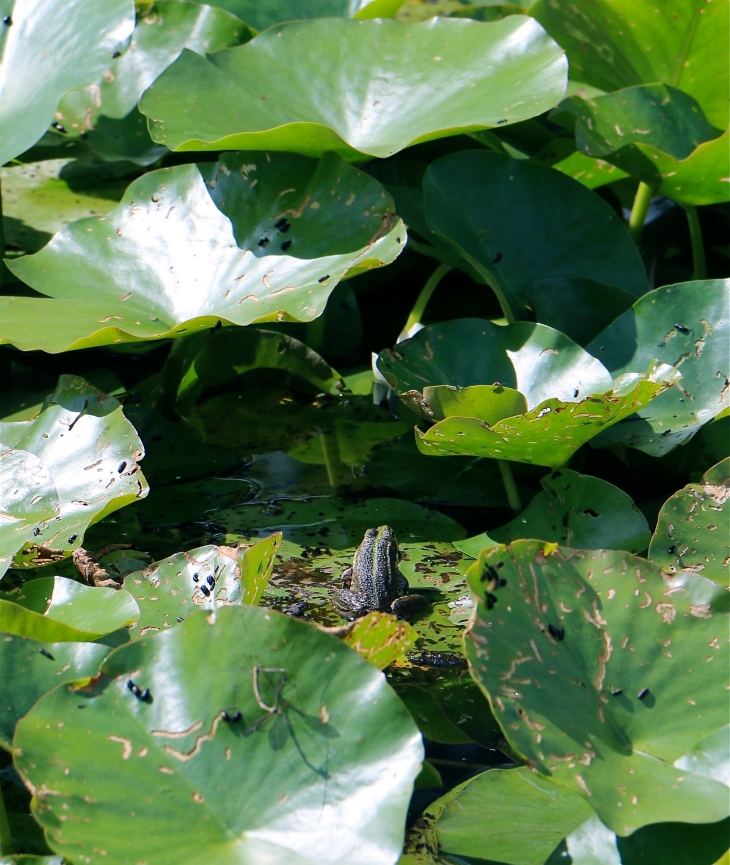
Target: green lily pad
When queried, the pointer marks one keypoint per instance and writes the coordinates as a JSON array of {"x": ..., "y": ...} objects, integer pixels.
[
  {"x": 709, "y": 757},
  {"x": 552, "y": 432},
  {"x": 562, "y": 155},
  {"x": 90, "y": 451},
  {"x": 649, "y": 132},
  {"x": 678, "y": 843},
  {"x": 693, "y": 528},
  {"x": 94, "y": 611},
  {"x": 205, "y": 578},
  {"x": 108, "y": 282},
  {"x": 489, "y": 402},
  {"x": 43, "y": 66},
  {"x": 579, "y": 308},
  {"x": 29, "y": 673},
  {"x": 528, "y": 817},
  {"x": 333, "y": 522},
  {"x": 32, "y": 860},
  {"x": 228, "y": 354},
  {"x": 305, "y": 742},
  {"x": 29, "y": 499},
  {"x": 161, "y": 32},
  {"x": 621, "y": 43},
  {"x": 517, "y": 222},
  {"x": 380, "y": 638},
  {"x": 687, "y": 326},
  {"x": 264, "y": 13},
  {"x": 586, "y": 660},
  {"x": 534, "y": 359},
  {"x": 576, "y": 511},
  {"x": 285, "y": 90}
]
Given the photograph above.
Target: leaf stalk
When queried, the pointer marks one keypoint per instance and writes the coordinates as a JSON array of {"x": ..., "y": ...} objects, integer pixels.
[
  {"x": 640, "y": 208},
  {"x": 513, "y": 496},
  {"x": 699, "y": 270},
  {"x": 423, "y": 298}
]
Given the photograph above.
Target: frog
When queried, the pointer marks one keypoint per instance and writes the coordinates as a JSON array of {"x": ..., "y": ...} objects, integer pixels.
[{"x": 373, "y": 582}]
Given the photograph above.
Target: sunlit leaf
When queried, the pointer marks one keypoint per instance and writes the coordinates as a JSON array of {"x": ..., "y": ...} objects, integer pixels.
[
  {"x": 164, "y": 262},
  {"x": 584, "y": 657},
  {"x": 693, "y": 528},
  {"x": 687, "y": 326},
  {"x": 576, "y": 511},
  {"x": 318, "y": 729},
  {"x": 380, "y": 638},
  {"x": 43, "y": 55},
  {"x": 293, "y": 86}
]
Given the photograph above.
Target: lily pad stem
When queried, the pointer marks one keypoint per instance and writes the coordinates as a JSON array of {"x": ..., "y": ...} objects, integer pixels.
[
  {"x": 172, "y": 375},
  {"x": 698, "y": 247},
  {"x": 513, "y": 497},
  {"x": 331, "y": 454},
  {"x": 3, "y": 269},
  {"x": 642, "y": 200},
  {"x": 423, "y": 298},
  {"x": 6, "y": 837}
]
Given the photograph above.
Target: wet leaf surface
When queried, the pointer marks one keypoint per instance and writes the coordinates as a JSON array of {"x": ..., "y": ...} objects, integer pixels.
[
  {"x": 92, "y": 31},
  {"x": 687, "y": 326},
  {"x": 693, "y": 528},
  {"x": 88, "y": 451},
  {"x": 306, "y": 740},
  {"x": 602, "y": 669},
  {"x": 285, "y": 90},
  {"x": 168, "y": 215},
  {"x": 573, "y": 510}
]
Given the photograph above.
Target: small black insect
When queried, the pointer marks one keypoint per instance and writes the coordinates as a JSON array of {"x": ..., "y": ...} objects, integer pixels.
[
  {"x": 576, "y": 392},
  {"x": 489, "y": 573},
  {"x": 36, "y": 532},
  {"x": 72, "y": 538},
  {"x": 642, "y": 693},
  {"x": 58, "y": 127},
  {"x": 491, "y": 600},
  {"x": 617, "y": 692},
  {"x": 116, "y": 54},
  {"x": 672, "y": 550},
  {"x": 218, "y": 325},
  {"x": 497, "y": 258},
  {"x": 137, "y": 691},
  {"x": 556, "y": 631},
  {"x": 180, "y": 619},
  {"x": 264, "y": 241},
  {"x": 499, "y": 565},
  {"x": 323, "y": 278},
  {"x": 502, "y": 121},
  {"x": 232, "y": 719},
  {"x": 205, "y": 590},
  {"x": 503, "y": 582},
  {"x": 195, "y": 578},
  {"x": 46, "y": 654},
  {"x": 280, "y": 223},
  {"x": 7, "y": 21},
  {"x": 285, "y": 245},
  {"x": 122, "y": 466},
  {"x": 681, "y": 328},
  {"x": 565, "y": 520},
  {"x": 210, "y": 580},
  {"x": 284, "y": 228}
]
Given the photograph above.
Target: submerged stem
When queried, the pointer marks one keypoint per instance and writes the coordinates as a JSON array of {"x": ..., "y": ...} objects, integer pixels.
[
  {"x": 513, "y": 497},
  {"x": 6, "y": 837},
  {"x": 423, "y": 298},
  {"x": 642, "y": 200},
  {"x": 699, "y": 270}
]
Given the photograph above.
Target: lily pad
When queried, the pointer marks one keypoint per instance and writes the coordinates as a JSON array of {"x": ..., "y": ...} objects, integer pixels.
[
  {"x": 285, "y": 90},
  {"x": 528, "y": 817},
  {"x": 553, "y": 431},
  {"x": 380, "y": 638},
  {"x": 693, "y": 528},
  {"x": 264, "y": 13},
  {"x": 602, "y": 669},
  {"x": 205, "y": 578},
  {"x": 687, "y": 326},
  {"x": 44, "y": 62},
  {"x": 161, "y": 32},
  {"x": 621, "y": 43},
  {"x": 517, "y": 222},
  {"x": 90, "y": 453},
  {"x": 165, "y": 263},
  {"x": 304, "y": 741},
  {"x": 648, "y": 132},
  {"x": 710, "y": 756},
  {"x": 576, "y": 511},
  {"x": 31, "y": 669},
  {"x": 534, "y": 359},
  {"x": 29, "y": 499}
]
